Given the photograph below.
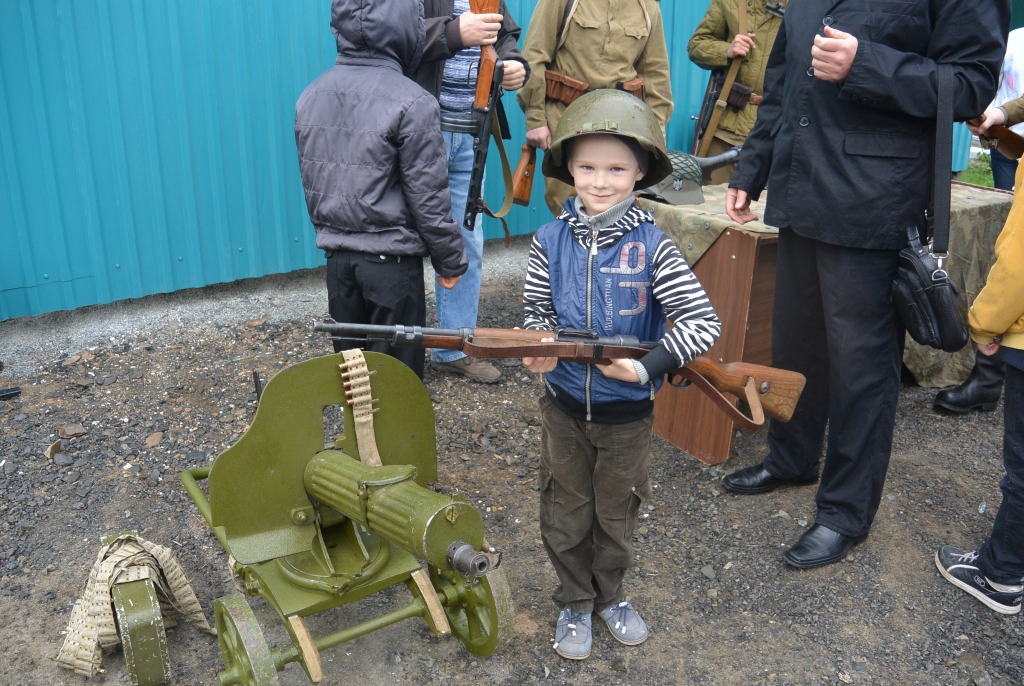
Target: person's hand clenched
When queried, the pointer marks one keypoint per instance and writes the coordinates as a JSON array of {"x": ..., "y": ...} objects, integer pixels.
[{"x": 832, "y": 55}]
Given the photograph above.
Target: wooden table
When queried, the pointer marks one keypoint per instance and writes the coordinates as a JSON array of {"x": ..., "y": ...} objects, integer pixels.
[
  {"x": 738, "y": 274},
  {"x": 736, "y": 266}
]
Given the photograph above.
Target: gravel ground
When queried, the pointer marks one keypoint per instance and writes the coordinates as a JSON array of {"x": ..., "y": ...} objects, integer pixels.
[{"x": 173, "y": 389}]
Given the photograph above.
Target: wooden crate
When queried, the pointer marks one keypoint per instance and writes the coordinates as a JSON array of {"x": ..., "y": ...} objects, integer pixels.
[{"x": 738, "y": 274}]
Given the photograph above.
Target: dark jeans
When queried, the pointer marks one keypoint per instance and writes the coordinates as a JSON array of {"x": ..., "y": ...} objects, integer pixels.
[
  {"x": 834, "y": 323},
  {"x": 1002, "y": 557},
  {"x": 378, "y": 289},
  {"x": 593, "y": 479},
  {"x": 1004, "y": 171}
]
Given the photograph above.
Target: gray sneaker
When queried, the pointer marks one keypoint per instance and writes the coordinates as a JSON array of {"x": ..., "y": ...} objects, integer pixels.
[
  {"x": 573, "y": 635},
  {"x": 625, "y": 623},
  {"x": 471, "y": 368}
]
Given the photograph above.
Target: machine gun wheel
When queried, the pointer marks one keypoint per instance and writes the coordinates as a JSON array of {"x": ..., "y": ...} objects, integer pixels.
[
  {"x": 483, "y": 617},
  {"x": 247, "y": 659}
]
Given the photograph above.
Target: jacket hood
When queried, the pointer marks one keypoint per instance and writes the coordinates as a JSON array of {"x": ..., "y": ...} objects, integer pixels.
[{"x": 392, "y": 30}]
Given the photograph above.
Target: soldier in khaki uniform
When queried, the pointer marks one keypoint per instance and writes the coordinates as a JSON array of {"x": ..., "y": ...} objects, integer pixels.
[
  {"x": 715, "y": 42},
  {"x": 585, "y": 45}
]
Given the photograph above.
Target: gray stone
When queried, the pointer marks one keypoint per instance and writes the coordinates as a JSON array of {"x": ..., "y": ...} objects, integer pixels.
[
  {"x": 154, "y": 477},
  {"x": 708, "y": 571}
]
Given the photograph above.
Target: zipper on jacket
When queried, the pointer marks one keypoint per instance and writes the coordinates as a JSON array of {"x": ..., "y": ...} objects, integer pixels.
[{"x": 590, "y": 292}]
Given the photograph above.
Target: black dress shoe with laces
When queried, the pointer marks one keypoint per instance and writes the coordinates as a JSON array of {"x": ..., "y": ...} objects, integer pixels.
[
  {"x": 820, "y": 546},
  {"x": 756, "y": 479}
]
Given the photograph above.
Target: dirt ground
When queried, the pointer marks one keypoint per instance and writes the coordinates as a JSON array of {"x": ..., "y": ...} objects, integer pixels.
[{"x": 709, "y": 576}]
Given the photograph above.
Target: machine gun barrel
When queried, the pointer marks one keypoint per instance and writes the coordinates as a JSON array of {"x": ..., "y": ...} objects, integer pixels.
[
  {"x": 721, "y": 160},
  {"x": 387, "y": 501}
]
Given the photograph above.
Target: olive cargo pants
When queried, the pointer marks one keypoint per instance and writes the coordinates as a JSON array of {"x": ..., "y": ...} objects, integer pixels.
[{"x": 593, "y": 479}]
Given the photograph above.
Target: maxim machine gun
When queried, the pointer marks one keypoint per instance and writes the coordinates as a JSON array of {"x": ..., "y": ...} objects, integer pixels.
[{"x": 310, "y": 528}]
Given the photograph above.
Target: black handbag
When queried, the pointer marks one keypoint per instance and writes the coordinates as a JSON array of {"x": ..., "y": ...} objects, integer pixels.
[{"x": 927, "y": 302}]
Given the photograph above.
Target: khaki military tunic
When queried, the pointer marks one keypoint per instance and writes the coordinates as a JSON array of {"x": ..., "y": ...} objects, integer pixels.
[
  {"x": 608, "y": 42},
  {"x": 710, "y": 44}
]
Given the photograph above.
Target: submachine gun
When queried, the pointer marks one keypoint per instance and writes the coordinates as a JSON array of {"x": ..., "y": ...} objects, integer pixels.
[{"x": 309, "y": 527}]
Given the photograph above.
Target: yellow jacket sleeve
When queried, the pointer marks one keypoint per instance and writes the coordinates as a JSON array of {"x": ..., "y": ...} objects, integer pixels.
[
  {"x": 999, "y": 308},
  {"x": 539, "y": 52},
  {"x": 653, "y": 67},
  {"x": 709, "y": 46}
]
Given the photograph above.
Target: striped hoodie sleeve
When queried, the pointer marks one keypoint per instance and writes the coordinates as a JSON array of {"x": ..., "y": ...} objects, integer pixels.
[
  {"x": 696, "y": 326},
  {"x": 537, "y": 302}
]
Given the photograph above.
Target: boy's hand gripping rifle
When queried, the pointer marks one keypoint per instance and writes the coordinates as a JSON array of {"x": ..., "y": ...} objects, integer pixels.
[
  {"x": 766, "y": 390},
  {"x": 487, "y": 103}
]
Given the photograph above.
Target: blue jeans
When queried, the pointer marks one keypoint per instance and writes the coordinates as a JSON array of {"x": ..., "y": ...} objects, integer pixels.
[
  {"x": 457, "y": 308},
  {"x": 1004, "y": 170}
]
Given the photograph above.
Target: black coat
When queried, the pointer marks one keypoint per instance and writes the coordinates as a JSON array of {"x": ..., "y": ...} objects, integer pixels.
[
  {"x": 443, "y": 41},
  {"x": 371, "y": 154},
  {"x": 850, "y": 164}
]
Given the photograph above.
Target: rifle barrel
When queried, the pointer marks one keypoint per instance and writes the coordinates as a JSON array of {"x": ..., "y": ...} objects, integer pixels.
[
  {"x": 413, "y": 335},
  {"x": 344, "y": 329}
]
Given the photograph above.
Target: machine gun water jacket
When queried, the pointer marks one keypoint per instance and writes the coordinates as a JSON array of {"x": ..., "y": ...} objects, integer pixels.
[{"x": 850, "y": 164}]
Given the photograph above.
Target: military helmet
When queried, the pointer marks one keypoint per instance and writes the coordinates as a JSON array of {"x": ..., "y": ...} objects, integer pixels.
[
  {"x": 613, "y": 112},
  {"x": 683, "y": 186}
]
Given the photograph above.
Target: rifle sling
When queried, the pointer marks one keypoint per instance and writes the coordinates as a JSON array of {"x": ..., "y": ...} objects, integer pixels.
[
  {"x": 506, "y": 171},
  {"x": 581, "y": 351},
  {"x": 723, "y": 94},
  {"x": 723, "y": 403}
]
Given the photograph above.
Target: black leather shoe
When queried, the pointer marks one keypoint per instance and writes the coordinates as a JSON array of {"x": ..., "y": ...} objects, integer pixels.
[
  {"x": 756, "y": 479},
  {"x": 981, "y": 390},
  {"x": 820, "y": 546}
]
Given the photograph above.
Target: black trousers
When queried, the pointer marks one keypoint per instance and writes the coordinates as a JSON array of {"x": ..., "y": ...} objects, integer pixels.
[
  {"x": 378, "y": 289},
  {"x": 834, "y": 322},
  {"x": 1002, "y": 557}
]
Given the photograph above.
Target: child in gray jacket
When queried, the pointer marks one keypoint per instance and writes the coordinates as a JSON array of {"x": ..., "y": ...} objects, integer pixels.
[{"x": 375, "y": 173}]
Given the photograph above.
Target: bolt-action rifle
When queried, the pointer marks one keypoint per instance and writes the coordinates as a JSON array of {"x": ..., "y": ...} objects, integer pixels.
[{"x": 765, "y": 389}]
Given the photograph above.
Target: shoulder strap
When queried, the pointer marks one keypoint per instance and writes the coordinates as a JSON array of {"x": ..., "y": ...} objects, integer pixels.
[
  {"x": 570, "y": 9},
  {"x": 730, "y": 78},
  {"x": 647, "y": 20},
  {"x": 942, "y": 179}
]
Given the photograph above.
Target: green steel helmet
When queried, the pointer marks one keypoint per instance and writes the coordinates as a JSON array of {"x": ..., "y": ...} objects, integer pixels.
[{"x": 613, "y": 112}]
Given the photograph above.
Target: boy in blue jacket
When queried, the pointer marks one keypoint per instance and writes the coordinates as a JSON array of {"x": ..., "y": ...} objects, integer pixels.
[{"x": 604, "y": 266}]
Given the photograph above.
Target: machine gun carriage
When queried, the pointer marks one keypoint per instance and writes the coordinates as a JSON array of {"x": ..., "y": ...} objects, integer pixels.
[{"x": 310, "y": 528}]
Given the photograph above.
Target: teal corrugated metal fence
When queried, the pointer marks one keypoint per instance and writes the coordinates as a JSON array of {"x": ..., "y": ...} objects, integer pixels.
[{"x": 147, "y": 147}]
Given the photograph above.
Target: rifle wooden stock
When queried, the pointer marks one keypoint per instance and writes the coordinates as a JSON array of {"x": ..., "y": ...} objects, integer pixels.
[
  {"x": 775, "y": 391},
  {"x": 488, "y": 57},
  {"x": 778, "y": 389},
  {"x": 522, "y": 180}
]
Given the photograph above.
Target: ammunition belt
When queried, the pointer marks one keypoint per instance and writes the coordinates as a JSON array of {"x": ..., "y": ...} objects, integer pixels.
[
  {"x": 566, "y": 89},
  {"x": 91, "y": 628},
  {"x": 356, "y": 380}
]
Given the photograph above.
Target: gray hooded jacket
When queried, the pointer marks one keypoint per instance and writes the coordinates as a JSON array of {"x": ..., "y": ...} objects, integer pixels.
[{"x": 371, "y": 154}]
